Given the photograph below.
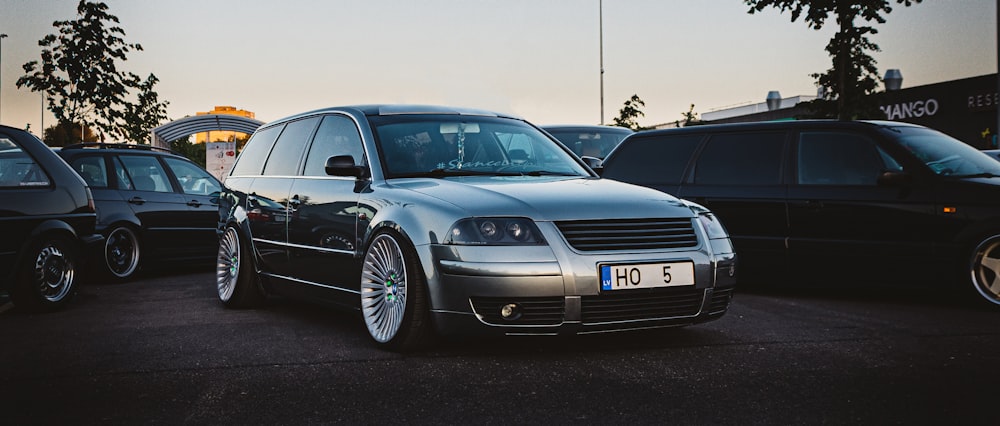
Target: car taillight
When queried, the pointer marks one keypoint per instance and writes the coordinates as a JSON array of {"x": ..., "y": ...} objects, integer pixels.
[
  {"x": 90, "y": 202},
  {"x": 257, "y": 215}
]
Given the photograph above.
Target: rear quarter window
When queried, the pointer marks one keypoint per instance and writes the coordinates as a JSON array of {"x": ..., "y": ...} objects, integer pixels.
[
  {"x": 17, "y": 168},
  {"x": 651, "y": 160}
]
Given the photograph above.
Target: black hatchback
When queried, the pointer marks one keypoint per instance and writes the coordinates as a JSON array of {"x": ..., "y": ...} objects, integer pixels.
[
  {"x": 154, "y": 206},
  {"x": 820, "y": 202},
  {"x": 47, "y": 221}
]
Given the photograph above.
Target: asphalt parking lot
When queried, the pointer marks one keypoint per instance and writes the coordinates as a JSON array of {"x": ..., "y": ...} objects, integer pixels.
[{"x": 160, "y": 350}]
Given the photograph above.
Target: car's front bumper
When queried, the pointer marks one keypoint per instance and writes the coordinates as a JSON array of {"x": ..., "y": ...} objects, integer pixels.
[{"x": 556, "y": 290}]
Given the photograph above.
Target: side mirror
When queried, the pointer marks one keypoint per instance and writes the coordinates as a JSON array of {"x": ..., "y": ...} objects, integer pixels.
[
  {"x": 343, "y": 165},
  {"x": 891, "y": 178},
  {"x": 595, "y": 164}
]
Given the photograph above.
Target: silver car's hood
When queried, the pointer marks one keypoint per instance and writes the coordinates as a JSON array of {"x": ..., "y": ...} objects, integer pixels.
[{"x": 549, "y": 198}]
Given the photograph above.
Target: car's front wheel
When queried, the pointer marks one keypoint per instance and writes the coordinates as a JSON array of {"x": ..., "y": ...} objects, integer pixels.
[
  {"x": 47, "y": 278},
  {"x": 393, "y": 294},
  {"x": 121, "y": 252},
  {"x": 984, "y": 268},
  {"x": 235, "y": 277}
]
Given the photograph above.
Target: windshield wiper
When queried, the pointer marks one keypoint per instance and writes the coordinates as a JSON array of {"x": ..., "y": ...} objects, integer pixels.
[
  {"x": 974, "y": 175},
  {"x": 440, "y": 173},
  {"x": 547, "y": 173}
]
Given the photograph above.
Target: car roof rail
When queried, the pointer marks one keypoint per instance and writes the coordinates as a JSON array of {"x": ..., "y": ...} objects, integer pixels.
[{"x": 104, "y": 145}]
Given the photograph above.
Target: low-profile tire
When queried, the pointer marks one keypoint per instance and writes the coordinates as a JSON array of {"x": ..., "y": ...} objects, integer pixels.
[
  {"x": 48, "y": 275},
  {"x": 235, "y": 277},
  {"x": 394, "y": 294},
  {"x": 122, "y": 253},
  {"x": 984, "y": 269}
]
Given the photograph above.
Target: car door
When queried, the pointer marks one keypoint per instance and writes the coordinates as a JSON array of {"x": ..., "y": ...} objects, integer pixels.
[
  {"x": 844, "y": 223},
  {"x": 740, "y": 177},
  {"x": 201, "y": 195},
  {"x": 279, "y": 173},
  {"x": 144, "y": 183},
  {"x": 323, "y": 230}
]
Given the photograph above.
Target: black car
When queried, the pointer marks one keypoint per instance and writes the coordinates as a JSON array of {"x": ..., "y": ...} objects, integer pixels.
[
  {"x": 588, "y": 140},
  {"x": 153, "y": 205},
  {"x": 815, "y": 202},
  {"x": 47, "y": 221}
]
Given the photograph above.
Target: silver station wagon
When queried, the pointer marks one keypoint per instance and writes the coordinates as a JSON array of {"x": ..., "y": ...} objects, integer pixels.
[{"x": 442, "y": 221}]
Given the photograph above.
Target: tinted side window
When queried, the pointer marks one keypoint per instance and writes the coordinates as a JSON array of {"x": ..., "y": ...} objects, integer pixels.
[
  {"x": 652, "y": 160},
  {"x": 337, "y": 135},
  {"x": 193, "y": 179},
  {"x": 287, "y": 151},
  {"x": 838, "y": 158},
  {"x": 741, "y": 159},
  {"x": 252, "y": 157},
  {"x": 93, "y": 170},
  {"x": 146, "y": 173},
  {"x": 17, "y": 168}
]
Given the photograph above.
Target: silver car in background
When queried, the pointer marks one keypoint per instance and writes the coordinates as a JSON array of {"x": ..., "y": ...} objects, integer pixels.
[{"x": 433, "y": 220}]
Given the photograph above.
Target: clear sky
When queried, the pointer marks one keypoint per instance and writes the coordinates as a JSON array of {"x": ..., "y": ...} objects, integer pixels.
[{"x": 539, "y": 59}]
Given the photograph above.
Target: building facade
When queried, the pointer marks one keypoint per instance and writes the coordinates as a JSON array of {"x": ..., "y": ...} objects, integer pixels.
[
  {"x": 223, "y": 135},
  {"x": 965, "y": 109}
]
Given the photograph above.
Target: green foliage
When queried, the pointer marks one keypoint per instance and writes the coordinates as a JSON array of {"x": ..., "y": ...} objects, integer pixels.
[
  {"x": 78, "y": 72},
  {"x": 629, "y": 113},
  {"x": 147, "y": 113},
  {"x": 193, "y": 151},
  {"x": 66, "y": 133},
  {"x": 853, "y": 75},
  {"x": 690, "y": 117}
]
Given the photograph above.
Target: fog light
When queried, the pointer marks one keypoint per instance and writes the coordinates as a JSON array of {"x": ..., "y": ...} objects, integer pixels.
[{"x": 510, "y": 311}]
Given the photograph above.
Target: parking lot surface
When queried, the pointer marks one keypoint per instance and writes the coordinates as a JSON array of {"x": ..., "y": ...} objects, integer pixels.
[{"x": 161, "y": 350}]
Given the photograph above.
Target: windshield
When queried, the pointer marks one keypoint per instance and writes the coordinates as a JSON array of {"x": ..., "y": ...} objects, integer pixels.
[
  {"x": 439, "y": 146},
  {"x": 591, "y": 142},
  {"x": 945, "y": 155}
]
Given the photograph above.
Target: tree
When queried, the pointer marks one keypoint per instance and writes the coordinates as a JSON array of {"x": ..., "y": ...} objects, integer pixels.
[
  {"x": 690, "y": 117},
  {"x": 193, "y": 151},
  {"x": 78, "y": 69},
  {"x": 66, "y": 133},
  {"x": 147, "y": 113},
  {"x": 628, "y": 114},
  {"x": 853, "y": 76}
]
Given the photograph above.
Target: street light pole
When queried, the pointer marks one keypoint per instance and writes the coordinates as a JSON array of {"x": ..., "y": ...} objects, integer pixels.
[
  {"x": 600, "y": 30},
  {"x": 2, "y": 36}
]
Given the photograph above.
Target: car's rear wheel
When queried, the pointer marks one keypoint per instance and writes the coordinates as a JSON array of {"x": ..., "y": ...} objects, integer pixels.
[
  {"x": 48, "y": 276},
  {"x": 984, "y": 268},
  {"x": 122, "y": 252},
  {"x": 236, "y": 280},
  {"x": 393, "y": 294}
]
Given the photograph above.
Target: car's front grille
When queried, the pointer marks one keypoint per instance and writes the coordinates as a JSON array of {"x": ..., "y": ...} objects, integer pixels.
[
  {"x": 629, "y": 234},
  {"x": 631, "y": 305},
  {"x": 534, "y": 310},
  {"x": 720, "y": 300}
]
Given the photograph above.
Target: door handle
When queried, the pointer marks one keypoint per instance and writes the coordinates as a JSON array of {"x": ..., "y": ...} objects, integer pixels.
[
  {"x": 194, "y": 203},
  {"x": 137, "y": 200}
]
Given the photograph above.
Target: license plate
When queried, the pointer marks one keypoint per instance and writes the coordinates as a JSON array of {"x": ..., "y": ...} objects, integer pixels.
[{"x": 646, "y": 275}]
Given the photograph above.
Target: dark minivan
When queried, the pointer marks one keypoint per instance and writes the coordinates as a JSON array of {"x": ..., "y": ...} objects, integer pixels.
[
  {"x": 47, "y": 221},
  {"x": 820, "y": 202}
]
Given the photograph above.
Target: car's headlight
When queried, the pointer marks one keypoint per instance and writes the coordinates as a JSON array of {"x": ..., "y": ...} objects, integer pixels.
[
  {"x": 712, "y": 226},
  {"x": 718, "y": 238},
  {"x": 494, "y": 231}
]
